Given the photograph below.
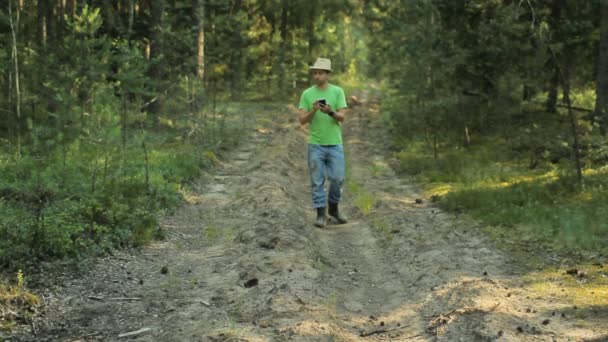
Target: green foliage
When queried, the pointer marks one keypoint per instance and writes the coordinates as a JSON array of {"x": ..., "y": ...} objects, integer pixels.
[
  {"x": 114, "y": 124},
  {"x": 472, "y": 97},
  {"x": 541, "y": 211},
  {"x": 91, "y": 195},
  {"x": 87, "y": 22},
  {"x": 544, "y": 205}
]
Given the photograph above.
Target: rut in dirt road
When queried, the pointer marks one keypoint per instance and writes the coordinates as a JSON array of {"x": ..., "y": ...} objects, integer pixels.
[{"x": 243, "y": 262}]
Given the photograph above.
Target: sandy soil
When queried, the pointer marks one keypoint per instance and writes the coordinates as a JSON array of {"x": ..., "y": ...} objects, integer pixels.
[{"x": 243, "y": 262}]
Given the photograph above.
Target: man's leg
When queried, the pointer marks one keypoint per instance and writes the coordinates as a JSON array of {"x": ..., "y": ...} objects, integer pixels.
[
  {"x": 316, "y": 167},
  {"x": 335, "y": 174}
]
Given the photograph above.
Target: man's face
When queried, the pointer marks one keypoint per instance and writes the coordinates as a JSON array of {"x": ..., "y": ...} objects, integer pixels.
[{"x": 320, "y": 77}]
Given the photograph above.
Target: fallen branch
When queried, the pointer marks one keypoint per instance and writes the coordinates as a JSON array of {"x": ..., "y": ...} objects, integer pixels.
[
  {"x": 116, "y": 298},
  {"x": 580, "y": 109},
  {"x": 382, "y": 331},
  {"x": 164, "y": 92},
  {"x": 442, "y": 320},
  {"x": 134, "y": 333},
  {"x": 126, "y": 298},
  {"x": 7, "y": 313},
  {"x": 299, "y": 299},
  {"x": 215, "y": 255},
  {"x": 418, "y": 279}
]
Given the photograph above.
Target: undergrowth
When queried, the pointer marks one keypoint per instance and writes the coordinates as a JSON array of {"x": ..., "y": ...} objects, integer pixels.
[
  {"x": 81, "y": 197},
  {"x": 544, "y": 205}
]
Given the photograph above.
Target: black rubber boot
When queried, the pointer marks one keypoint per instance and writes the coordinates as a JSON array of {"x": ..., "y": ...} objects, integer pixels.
[
  {"x": 335, "y": 213},
  {"x": 321, "y": 219}
]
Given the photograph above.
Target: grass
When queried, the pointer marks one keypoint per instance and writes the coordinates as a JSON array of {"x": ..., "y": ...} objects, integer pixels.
[
  {"x": 584, "y": 290},
  {"x": 364, "y": 200},
  {"x": 16, "y": 303},
  {"x": 379, "y": 169},
  {"x": 223, "y": 234},
  {"x": 331, "y": 302},
  {"x": 543, "y": 206},
  {"x": 382, "y": 227}
]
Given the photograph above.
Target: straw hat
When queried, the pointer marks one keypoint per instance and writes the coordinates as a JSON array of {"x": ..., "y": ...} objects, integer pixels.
[{"x": 322, "y": 64}]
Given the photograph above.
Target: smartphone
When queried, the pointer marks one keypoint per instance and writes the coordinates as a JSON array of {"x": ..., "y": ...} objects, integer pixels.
[{"x": 323, "y": 102}]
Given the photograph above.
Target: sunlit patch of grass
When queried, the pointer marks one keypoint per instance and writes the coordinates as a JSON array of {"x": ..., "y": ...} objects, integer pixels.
[
  {"x": 16, "y": 303},
  {"x": 437, "y": 190},
  {"x": 586, "y": 287},
  {"x": 516, "y": 179},
  {"x": 584, "y": 196},
  {"x": 598, "y": 171},
  {"x": 353, "y": 187},
  {"x": 379, "y": 169},
  {"x": 544, "y": 205},
  {"x": 364, "y": 200}
]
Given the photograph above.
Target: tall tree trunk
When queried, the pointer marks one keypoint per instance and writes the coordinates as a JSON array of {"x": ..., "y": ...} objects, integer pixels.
[
  {"x": 281, "y": 58},
  {"x": 59, "y": 12},
  {"x": 43, "y": 22},
  {"x": 52, "y": 36},
  {"x": 556, "y": 14},
  {"x": 17, "y": 89},
  {"x": 573, "y": 128},
  {"x": 601, "y": 101},
  {"x": 109, "y": 20},
  {"x": 157, "y": 10},
  {"x": 200, "y": 50},
  {"x": 131, "y": 16},
  {"x": 342, "y": 33},
  {"x": 551, "y": 104},
  {"x": 564, "y": 76},
  {"x": 236, "y": 57},
  {"x": 312, "y": 42},
  {"x": 71, "y": 7}
]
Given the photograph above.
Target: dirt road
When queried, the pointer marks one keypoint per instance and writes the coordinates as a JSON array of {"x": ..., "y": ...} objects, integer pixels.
[{"x": 242, "y": 262}]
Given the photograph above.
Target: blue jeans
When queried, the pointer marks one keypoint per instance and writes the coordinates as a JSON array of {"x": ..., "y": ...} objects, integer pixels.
[{"x": 322, "y": 160}]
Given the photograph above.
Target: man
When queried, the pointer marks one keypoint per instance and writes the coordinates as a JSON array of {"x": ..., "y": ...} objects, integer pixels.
[{"x": 323, "y": 107}]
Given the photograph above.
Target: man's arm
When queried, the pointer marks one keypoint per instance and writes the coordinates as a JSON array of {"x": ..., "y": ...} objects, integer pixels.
[
  {"x": 340, "y": 114},
  {"x": 306, "y": 116}
]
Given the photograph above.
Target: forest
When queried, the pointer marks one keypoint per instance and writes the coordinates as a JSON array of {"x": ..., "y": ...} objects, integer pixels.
[{"x": 110, "y": 110}]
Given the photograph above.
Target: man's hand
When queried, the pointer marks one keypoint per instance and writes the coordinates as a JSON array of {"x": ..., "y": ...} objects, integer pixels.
[
  {"x": 317, "y": 106},
  {"x": 306, "y": 116},
  {"x": 325, "y": 108}
]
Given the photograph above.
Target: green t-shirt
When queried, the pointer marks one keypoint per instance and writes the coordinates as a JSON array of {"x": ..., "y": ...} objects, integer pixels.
[{"x": 324, "y": 130}]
